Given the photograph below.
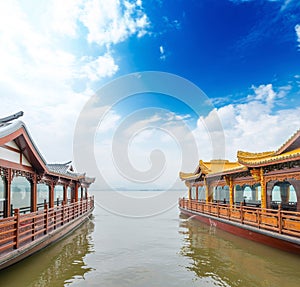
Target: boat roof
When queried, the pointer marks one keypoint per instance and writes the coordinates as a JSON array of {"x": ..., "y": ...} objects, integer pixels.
[
  {"x": 289, "y": 151},
  {"x": 17, "y": 131}
]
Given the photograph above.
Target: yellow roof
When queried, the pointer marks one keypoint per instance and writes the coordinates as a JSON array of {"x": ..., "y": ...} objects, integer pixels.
[
  {"x": 289, "y": 151},
  {"x": 255, "y": 159},
  {"x": 210, "y": 168}
]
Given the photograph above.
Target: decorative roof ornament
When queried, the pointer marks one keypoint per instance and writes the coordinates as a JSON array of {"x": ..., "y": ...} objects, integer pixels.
[{"x": 7, "y": 120}]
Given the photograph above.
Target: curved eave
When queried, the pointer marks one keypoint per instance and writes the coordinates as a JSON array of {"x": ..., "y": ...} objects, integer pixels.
[
  {"x": 18, "y": 132},
  {"x": 189, "y": 176},
  {"x": 228, "y": 172},
  {"x": 273, "y": 160},
  {"x": 64, "y": 176}
]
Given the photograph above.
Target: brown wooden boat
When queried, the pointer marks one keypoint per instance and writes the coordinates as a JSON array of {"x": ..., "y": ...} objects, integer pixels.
[
  {"x": 39, "y": 203},
  {"x": 257, "y": 197}
]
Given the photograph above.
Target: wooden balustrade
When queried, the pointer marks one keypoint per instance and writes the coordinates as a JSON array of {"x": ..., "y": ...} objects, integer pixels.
[
  {"x": 281, "y": 221},
  {"x": 20, "y": 229}
]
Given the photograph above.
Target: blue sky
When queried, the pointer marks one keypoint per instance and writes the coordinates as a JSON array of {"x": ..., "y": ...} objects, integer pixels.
[{"x": 244, "y": 55}]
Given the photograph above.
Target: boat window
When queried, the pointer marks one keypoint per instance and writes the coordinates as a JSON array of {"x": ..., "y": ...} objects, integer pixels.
[
  {"x": 276, "y": 194},
  {"x": 247, "y": 193},
  {"x": 69, "y": 193},
  {"x": 201, "y": 191},
  {"x": 238, "y": 193},
  {"x": 58, "y": 193},
  {"x": 20, "y": 192},
  {"x": 42, "y": 193},
  {"x": 293, "y": 195}
]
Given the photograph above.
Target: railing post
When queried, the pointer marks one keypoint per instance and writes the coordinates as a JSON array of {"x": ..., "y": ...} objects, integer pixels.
[
  {"x": 279, "y": 219},
  {"x": 33, "y": 228},
  {"x": 258, "y": 217},
  {"x": 54, "y": 217},
  {"x": 46, "y": 219},
  {"x": 218, "y": 209},
  {"x": 17, "y": 231},
  {"x": 242, "y": 213},
  {"x": 63, "y": 213}
]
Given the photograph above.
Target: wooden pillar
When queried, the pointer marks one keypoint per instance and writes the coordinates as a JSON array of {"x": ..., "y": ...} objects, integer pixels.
[
  {"x": 76, "y": 192},
  {"x": 65, "y": 200},
  {"x": 207, "y": 197},
  {"x": 33, "y": 193},
  {"x": 86, "y": 192},
  {"x": 263, "y": 189},
  {"x": 51, "y": 194},
  {"x": 190, "y": 192},
  {"x": 231, "y": 192},
  {"x": 197, "y": 195},
  {"x": 8, "y": 193},
  {"x": 270, "y": 186},
  {"x": 81, "y": 192}
]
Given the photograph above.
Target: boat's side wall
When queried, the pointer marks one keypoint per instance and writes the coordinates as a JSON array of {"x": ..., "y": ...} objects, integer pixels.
[
  {"x": 57, "y": 234},
  {"x": 283, "y": 242}
]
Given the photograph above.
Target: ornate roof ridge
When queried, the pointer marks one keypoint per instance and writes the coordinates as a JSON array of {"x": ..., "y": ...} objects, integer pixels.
[
  {"x": 288, "y": 142},
  {"x": 254, "y": 155}
]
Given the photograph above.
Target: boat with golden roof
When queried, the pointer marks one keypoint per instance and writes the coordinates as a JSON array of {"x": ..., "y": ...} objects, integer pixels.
[{"x": 257, "y": 197}]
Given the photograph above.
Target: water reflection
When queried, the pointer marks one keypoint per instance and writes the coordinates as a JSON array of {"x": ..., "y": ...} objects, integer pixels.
[
  {"x": 57, "y": 265},
  {"x": 232, "y": 261}
]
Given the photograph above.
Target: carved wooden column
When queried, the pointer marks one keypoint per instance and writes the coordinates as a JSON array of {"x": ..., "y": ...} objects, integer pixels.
[
  {"x": 8, "y": 176},
  {"x": 76, "y": 191},
  {"x": 65, "y": 199},
  {"x": 86, "y": 192},
  {"x": 190, "y": 192},
  {"x": 51, "y": 194},
  {"x": 263, "y": 189},
  {"x": 231, "y": 192},
  {"x": 33, "y": 193},
  {"x": 197, "y": 196},
  {"x": 270, "y": 186},
  {"x": 81, "y": 191}
]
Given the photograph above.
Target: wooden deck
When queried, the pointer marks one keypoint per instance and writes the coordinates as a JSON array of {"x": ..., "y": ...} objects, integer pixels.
[
  {"x": 279, "y": 221},
  {"x": 22, "y": 232}
]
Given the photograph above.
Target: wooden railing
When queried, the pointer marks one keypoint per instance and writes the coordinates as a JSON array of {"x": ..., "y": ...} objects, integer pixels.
[
  {"x": 285, "y": 222},
  {"x": 20, "y": 229}
]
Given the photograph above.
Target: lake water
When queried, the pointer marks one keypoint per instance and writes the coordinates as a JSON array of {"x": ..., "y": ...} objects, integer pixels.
[{"x": 162, "y": 250}]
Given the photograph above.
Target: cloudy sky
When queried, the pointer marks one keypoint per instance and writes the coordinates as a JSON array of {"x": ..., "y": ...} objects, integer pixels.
[{"x": 243, "y": 55}]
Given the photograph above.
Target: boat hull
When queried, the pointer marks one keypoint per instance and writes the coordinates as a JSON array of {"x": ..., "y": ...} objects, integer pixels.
[
  {"x": 283, "y": 242},
  {"x": 19, "y": 254}
]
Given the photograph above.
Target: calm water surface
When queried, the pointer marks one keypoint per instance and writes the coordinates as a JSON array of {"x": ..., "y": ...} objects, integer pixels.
[{"x": 164, "y": 250}]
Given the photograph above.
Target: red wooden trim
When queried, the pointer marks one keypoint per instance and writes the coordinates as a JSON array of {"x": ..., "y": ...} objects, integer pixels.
[
  {"x": 14, "y": 165},
  {"x": 11, "y": 148},
  {"x": 11, "y": 136},
  {"x": 22, "y": 132}
]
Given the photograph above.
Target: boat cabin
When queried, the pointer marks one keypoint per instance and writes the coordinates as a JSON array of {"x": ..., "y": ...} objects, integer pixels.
[
  {"x": 27, "y": 182},
  {"x": 266, "y": 180}
]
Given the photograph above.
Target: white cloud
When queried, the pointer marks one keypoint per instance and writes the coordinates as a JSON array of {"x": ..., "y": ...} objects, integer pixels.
[
  {"x": 110, "y": 22},
  {"x": 255, "y": 125},
  {"x": 64, "y": 16},
  {"x": 103, "y": 66},
  {"x": 47, "y": 65},
  {"x": 162, "y": 53},
  {"x": 297, "y": 29}
]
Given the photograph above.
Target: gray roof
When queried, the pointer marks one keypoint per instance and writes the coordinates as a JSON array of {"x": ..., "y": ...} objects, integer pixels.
[
  {"x": 11, "y": 127},
  {"x": 63, "y": 169}
]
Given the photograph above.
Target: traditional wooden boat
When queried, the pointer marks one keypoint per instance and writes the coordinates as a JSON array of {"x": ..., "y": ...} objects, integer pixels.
[
  {"x": 257, "y": 197},
  {"x": 39, "y": 203}
]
